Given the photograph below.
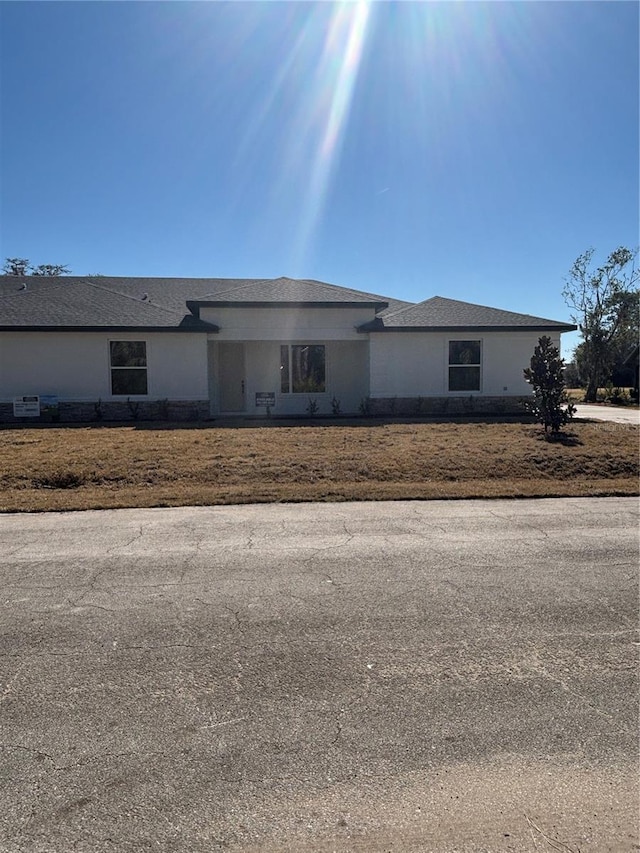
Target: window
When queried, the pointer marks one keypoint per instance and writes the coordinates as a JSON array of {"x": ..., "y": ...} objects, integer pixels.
[
  {"x": 302, "y": 369},
  {"x": 464, "y": 365},
  {"x": 128, "y": 360}
]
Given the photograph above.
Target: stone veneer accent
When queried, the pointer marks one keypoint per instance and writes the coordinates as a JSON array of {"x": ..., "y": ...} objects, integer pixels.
[
  {"x": 470, "y": 405},
  {"x": 144, "y": 410},
  {"x": 198, "y": 410}
]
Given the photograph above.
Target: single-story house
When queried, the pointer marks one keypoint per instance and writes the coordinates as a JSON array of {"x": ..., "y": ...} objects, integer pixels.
[{"x": 99, "y": 346}]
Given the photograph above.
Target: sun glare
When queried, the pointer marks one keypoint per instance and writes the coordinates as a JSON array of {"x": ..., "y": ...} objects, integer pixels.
[
  {"x": 331, "y": 91},
  {"x": 448, "y": 70},
  {"x": 297, "y": 123}
]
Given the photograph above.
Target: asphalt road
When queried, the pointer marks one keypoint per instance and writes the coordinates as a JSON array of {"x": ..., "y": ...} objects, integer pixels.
[{"x": 440, "y": 676}]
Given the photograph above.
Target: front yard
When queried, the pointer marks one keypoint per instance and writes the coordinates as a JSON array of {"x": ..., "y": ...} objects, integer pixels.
[{"x": 147, "y": 465}]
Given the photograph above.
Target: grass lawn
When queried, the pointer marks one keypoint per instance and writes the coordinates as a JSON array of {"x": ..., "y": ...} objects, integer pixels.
[{"x": 146, "y": 465}]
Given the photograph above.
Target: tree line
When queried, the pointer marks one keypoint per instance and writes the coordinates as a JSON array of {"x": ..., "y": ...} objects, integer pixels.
[{"x": 22, "y": 266}]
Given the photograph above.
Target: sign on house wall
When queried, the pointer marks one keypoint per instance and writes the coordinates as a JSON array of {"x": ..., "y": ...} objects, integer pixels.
[
  {"x": 265, "y": 398},
  {"x": 26, "y": 407}
]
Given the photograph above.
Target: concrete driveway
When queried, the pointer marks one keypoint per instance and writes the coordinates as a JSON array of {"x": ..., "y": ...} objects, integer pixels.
[
  {"x": 614, "y": 414},
  {"x": 445, "y": 676}
]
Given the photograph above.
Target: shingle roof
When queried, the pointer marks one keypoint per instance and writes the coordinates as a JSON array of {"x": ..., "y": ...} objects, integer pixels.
[
  {"x": 87, "y": 303},
  {"x": 439, "y": 313},
  {"x": 155, "y": 303},
  {"x": 105, "y": 302},
  {"x": 394, "y": 305},
  {"x": 291, "y": 290}
]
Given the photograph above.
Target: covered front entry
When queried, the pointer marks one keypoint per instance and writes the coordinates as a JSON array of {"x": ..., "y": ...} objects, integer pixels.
[
  {"x": 246, "y": 377},
  {"x": 231, "y": 377}
]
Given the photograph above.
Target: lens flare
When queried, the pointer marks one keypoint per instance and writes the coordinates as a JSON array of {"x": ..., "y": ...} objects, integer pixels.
[
  {"x": 334, "y": 85},
  {"x": 317, "y": 130}
]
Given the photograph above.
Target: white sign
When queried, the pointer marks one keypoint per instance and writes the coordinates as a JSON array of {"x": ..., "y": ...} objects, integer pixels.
[{"x": 26, "y": 407}]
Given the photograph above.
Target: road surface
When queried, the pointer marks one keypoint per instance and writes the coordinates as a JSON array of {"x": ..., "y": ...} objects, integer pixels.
[
  {"x": 614, "y": 414},
  {"x": 426, "y": 676}
]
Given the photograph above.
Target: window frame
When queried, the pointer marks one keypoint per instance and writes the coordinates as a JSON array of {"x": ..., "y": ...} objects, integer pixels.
[
  {"x": 453, "y": 366},
  {"x": 121, "y": 368},
  {"x": 289, "y": 369}
]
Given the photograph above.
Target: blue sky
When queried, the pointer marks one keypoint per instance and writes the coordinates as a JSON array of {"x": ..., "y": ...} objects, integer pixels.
[{"x": 469, "y": 150}]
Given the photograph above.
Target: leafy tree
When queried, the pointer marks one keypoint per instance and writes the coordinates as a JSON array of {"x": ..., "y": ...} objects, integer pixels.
[
  {"x": 50, "y": 269},
  {"x": 572, "y": 374},
  {"x": 16, "y": 266},
  {"x": 22, "y": 266},
  {"x": 550, "y": 403},
  {"x": 606, "y": 303},
  {"x": 619, "y": 373}
]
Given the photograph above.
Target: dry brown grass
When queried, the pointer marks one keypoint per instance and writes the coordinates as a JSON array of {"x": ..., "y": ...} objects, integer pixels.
[{"x": 64, "y": 468}]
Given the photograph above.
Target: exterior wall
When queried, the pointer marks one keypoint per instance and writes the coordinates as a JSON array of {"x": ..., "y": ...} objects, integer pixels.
[
  {"x": 415, "y": 364},
  {"x": 287, "y": 324},
  {"x": 347, "y": 371},
  {"x": 75, "y": 367},
  {"x": 505, "y": 356},
  {"x": 408, "y": 368}
]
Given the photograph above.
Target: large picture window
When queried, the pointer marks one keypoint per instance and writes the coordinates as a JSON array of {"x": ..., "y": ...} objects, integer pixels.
[
  {"x": 464, "y": 365},
  {"x": 302, "y": 369},
  {"x": 128, "y": 360}
]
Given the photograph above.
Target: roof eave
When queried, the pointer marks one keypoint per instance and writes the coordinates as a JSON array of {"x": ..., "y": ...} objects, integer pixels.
[
  {"x": 194, "y": 305},
  {"x": 202, "y": 329},
  {"x": 373, "y": 327}
]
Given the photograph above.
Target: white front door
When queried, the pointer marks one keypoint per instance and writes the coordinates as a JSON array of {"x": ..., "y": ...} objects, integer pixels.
[{"x": 231, "y": 377}]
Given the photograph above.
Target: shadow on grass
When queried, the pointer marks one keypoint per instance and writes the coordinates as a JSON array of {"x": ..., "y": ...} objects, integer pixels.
[
  {"x": 303, "y": 422},
  {"x": 275, "y": 423},
  {"x": 566, "y": 439}
]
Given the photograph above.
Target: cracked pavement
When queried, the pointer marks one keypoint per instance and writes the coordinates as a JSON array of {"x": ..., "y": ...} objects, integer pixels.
[{"x": 446, "y": 676}]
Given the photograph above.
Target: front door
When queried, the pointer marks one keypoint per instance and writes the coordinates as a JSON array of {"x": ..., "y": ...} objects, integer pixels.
[{"x": 231, "y": 377}]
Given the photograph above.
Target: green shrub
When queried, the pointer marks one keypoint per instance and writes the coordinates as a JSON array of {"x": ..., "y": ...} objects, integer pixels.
[
  {"x": 550, "y": 404},
  {"x": 618, "y": 397}
]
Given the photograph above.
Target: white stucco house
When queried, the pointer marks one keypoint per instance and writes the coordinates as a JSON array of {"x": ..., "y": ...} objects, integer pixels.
[{"x": 108, "y": 347}]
